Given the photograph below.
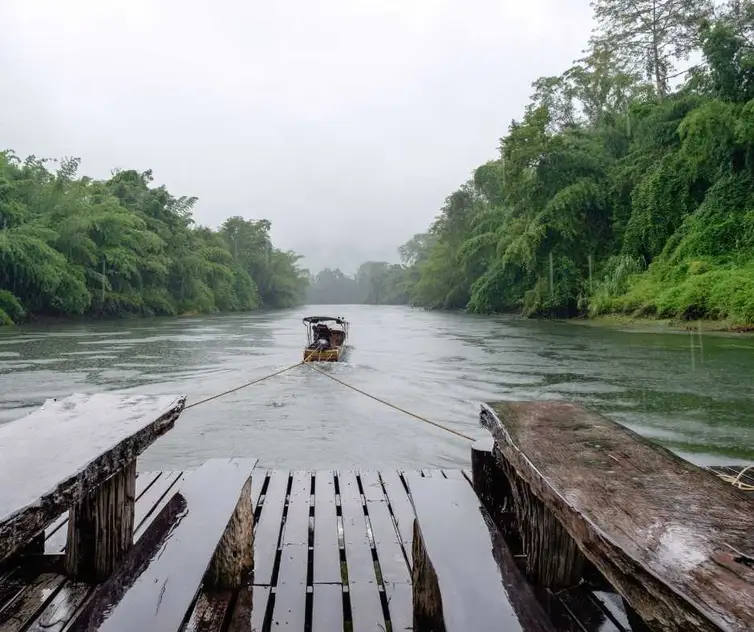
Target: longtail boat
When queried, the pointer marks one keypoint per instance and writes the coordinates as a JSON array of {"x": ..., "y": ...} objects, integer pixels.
[{"x": 325, "y": 338}]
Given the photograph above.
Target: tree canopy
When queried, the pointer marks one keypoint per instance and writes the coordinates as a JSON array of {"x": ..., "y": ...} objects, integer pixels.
[
  {"x": 73, "y": 245},
  {"x": 626, "y": 186}
]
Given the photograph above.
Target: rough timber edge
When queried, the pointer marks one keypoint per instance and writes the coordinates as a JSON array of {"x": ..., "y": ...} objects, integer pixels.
[
  {"x": 38, "y": 514},
  {"x": 489, "y": 419}
]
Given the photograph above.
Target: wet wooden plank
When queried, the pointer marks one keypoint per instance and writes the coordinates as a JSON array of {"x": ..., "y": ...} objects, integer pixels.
[
  {"x": 175, "y": 553},
  {"x": 55, "y": 542},
  {"x": 289, "y": 612},
  {"x": 326, "y": 545},
  {"x": 454, "y": 474},
  {"x": 209, "y": 612},
  {"x": 149, "y": 504},
  {"x": 476, "y": 590},
  {"x": 372, "y": 485},
  {"x": 65, "y": 470},
  {"x": 632, "y": 504},
  {"x": 29, "y": 602},
  {"x": 267, "y": 530},
  {"x": 327, "y": 610},
  {"x": 257, "y": 483},
  {"x": 12, "y": 583},
  {"x": 290, "y": 597},
  {"x": 432, "y": 473},
  {"x": 56, "y": 534},
  {"x": 366, "y": 607},
  {"x": 400, "y": 505},
  {"x": 296, "y": 529},
  {"x": 390, "y": 553},
  {"x": 144, "y": 480},
  {"x": 250, "y": 609},
  {"x": 399, "y": 604},
  {"x": 261, "y": 597},
  {"x": 61, "y": 608}
]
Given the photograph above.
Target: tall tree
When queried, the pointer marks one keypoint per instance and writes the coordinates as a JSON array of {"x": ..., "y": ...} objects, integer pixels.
[{"x": 649, "y": 37}]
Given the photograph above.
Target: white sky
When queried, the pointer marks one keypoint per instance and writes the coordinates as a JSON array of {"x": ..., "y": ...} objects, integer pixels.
[{"x": 344, "y": 122}]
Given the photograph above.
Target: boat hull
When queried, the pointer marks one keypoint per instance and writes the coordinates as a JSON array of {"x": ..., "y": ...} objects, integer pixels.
[{"x": 322, "y": 355}]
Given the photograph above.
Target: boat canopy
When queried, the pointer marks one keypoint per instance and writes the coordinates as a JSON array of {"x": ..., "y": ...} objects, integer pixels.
[{"x": 320, "y": 319}]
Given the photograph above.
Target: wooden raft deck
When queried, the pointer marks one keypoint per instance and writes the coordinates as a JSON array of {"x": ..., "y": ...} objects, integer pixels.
[{"x": 332, "y": 552}]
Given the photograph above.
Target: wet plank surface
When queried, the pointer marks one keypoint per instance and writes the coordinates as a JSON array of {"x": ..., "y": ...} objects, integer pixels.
[
  {"x": 290, "y": 598},
  {"x": 110, "y": 430},
  {"x": 400, "y": 507},
  {"x": 327, "y": 611},
  {"x": 363, "y": 588},
  {"x": 326, "y": 544},
  {"x": 321, "y": 576},
  {"x": 687, "y": 538},
  {"x": 269, "y": 526}
]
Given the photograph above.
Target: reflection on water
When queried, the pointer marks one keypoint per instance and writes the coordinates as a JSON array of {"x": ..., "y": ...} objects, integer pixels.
[{"x": 697, "y": 400}]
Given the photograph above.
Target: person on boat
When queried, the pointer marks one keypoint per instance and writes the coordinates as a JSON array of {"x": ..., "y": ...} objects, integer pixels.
[{"x": 321, "y": 336}]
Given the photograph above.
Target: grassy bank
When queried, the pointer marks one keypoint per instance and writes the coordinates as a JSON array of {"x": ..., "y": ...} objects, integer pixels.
[{"x": 650, "y": 324}]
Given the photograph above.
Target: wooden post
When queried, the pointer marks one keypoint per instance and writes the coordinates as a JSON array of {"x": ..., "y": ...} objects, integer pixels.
[
  {"x": 101, "y": 527},
  {"x": 234, "y": 556},
  {"x": 427, "y": 599},
  {"x": 492, "y": 487}
]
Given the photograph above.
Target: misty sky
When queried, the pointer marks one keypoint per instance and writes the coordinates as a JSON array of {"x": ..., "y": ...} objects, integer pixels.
[{"x": 344, "y": 122}]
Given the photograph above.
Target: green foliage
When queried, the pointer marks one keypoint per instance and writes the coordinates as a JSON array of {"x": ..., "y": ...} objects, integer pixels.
[
  {"x": 612, "y": 194},
  {"x": 11, "y": 310},
  {"x": 77, "y": 246}
]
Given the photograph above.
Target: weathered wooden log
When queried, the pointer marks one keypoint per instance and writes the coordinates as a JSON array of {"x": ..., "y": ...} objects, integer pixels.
[
  {"x": 675, "y": 541},
  {"x": 234, "y": 556},
  {"x": 56, "y": 455},
  {"x": 101, "y": 528}
]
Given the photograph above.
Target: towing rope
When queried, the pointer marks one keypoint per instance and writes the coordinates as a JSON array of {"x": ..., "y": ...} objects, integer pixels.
[
  {"x": 736, "y": 480},
  {"x": 358, "y": 390},
  {"x": 238, "y": 388},
  {"x": 393, "y": 406}
]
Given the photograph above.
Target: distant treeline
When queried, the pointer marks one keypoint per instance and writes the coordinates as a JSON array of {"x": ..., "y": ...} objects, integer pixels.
[
  {"x": 75, "y": 246},
  {"x": 375, "y": 283},
  {"x": 614, "y": 192}
]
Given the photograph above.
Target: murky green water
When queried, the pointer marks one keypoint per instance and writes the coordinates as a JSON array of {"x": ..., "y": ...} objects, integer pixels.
[{"x": 698, "y": 401}]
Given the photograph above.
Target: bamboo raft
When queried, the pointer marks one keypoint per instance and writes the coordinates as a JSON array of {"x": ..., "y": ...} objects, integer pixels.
[{"x": 524, "y": 540}]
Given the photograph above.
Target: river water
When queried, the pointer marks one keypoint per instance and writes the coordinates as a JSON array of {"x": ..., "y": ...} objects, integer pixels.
[{"x": 691, "y": 394}]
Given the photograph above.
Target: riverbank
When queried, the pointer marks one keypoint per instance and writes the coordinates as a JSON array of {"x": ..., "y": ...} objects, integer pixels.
[
  {"x": 44, "y": 320},
  {"x": 663, "y": 325}
]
